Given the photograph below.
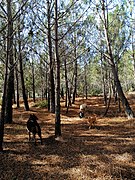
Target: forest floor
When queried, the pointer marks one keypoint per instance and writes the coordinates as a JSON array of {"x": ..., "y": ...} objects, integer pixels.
[{"x": 104, "y": 152}]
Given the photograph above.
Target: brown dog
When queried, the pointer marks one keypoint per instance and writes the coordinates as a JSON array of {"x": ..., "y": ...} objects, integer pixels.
[{"x": 92, "y": 120}]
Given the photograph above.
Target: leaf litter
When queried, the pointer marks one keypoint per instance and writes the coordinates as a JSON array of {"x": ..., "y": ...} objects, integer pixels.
[{"x": 106, "y": 151}]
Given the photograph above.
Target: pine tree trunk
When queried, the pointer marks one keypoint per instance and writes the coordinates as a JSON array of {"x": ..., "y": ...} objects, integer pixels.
[
  {"x": 23, "y": 85},
  {"x": 51, "y": 77},
  {"x": 10, "y": 83},
  {"x": 17, "y": 88},
  {"x": 1, "y": 130},
  {"x": 66, "y": 83},
  {"x": 16, "y": 76},
  {"x": 2, "y": 118},
  {"x": 33, "y": 82},
  {"x": 57, "y": 89},
  {"x": 85, "y": 71},
  {"x": 9, "y": 99},
  {"x": 21, "y": 73},
  {"x": 67, "y": 93},
  {"x": 125, "y": 103},
  {"x": 126, "y": 106},
  {"x": 75, "y": 72},
  {"x": 75, "y": 82}
]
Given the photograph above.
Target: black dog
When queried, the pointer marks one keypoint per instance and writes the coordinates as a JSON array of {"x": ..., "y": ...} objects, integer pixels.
[{"x": 33, "y": 127}]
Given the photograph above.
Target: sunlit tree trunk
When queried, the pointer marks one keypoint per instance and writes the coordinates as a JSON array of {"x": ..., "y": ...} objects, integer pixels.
[{"x": 16, "y": 76}]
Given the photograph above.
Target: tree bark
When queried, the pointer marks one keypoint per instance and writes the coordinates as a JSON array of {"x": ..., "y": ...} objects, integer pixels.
[
  {"x": 23, "y": 84},
  {"x": 75, "y": 83},
  {"x": 16, "y": 76},
  {"x": 2, "y": 118},
  {"x": 51, "y": 76},
  {"x": 10, "y": 83},
  {"x": 22, "y": 74},
  {"x": 66, "y": 83},
  {"x": 57, "y": 89},
  {"x": 85, "y": 80},
  {"x": 125, "y": 103},
  {"x": 126, "y": 106},
  {"x": 33, "y": 82},
  {"x": 67, "y": 93},
  {"x": 17, "y": 88},
  {"x": 75, "y": 74}
]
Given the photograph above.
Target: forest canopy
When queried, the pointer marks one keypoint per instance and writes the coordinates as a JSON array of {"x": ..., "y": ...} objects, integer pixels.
[{"x": 81, "y": 40}]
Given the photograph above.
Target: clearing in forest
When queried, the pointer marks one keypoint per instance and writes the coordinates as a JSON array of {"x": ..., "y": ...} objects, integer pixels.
[{"x": 106, "y": 151}]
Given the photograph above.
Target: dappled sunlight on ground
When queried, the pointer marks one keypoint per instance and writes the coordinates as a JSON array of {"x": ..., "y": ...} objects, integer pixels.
[{"x": 104, "y": 152}]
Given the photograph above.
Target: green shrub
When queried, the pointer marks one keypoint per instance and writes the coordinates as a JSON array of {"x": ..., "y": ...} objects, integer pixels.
[
  {"x": 95, "y": 92},
  {"x": 41, "y": 104}
]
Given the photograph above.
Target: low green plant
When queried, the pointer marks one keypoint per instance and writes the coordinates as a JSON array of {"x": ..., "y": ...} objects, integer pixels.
[{"x": 41, "y": 104}]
